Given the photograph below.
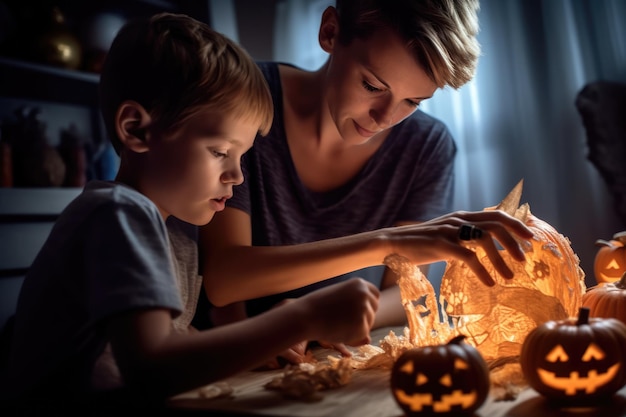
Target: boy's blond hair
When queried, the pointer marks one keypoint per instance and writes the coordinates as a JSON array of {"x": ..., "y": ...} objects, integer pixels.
[
  {"x": 176, "y": 66},
  {"x": 441, "y": 33}
]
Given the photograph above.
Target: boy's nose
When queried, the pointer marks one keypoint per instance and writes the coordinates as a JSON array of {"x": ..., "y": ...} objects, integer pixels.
[{"x": 233, "y": 176}]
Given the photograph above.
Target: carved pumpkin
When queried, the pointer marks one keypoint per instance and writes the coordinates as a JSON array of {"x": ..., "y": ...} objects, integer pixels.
[
  {"x": 607, "y": 299},
  {"x": 576, "y": 361},
  {"x": 547, "y": 286},
  {"x": 610, "y": 261},
  {"x": 447, "y": 379}
]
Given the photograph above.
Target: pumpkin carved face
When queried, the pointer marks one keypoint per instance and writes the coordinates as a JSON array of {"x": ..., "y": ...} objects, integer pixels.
[
  {"x": 610, "y": 260},
  {"x": 548, "y": 285},
  {"x": 576, "y": 361},
  {"x": 450, "y": 379}
]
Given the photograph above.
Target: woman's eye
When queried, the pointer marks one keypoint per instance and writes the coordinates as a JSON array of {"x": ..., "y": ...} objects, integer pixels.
[
  {"x": 370, "y": 87},
  {"x": 413, "y": 103}
]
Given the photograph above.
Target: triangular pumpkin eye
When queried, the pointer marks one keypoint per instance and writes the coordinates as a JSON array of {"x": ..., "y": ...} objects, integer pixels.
[
  {"x": 460, "y": 364},
  {"x": 557, "y": 354},
  {"x": 421, "y": 379},
  {"x": 613, "y": 265},
  {"x": 446, "y": 380},
  {"x": 593, "y": 351},
  {"x": 407, "y": 368}
]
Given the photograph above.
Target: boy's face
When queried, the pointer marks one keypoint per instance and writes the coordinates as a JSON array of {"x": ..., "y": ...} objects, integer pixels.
[
  {"x": 374, "y": 84},
  {"x": 191, "y": 174}
]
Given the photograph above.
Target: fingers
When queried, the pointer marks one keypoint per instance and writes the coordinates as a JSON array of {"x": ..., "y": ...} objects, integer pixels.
[
  {"x": 293, "y": 356},
  {"x": 457, "y": 234},
  {"x": 372, "y": 304},
  {"x": 496, "y": 259},
  {"x": 503, "y": 228},
  {"x": 500, "y": 224},
  {"x": 469, "y": 258},
  {"x": 507, "y": 242},
  {"x": 343, "y": 312},
  {"x": 339, "y": 347}
]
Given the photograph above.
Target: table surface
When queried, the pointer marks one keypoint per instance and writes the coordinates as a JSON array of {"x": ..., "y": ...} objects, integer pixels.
[{"x": 366, "y": 395}]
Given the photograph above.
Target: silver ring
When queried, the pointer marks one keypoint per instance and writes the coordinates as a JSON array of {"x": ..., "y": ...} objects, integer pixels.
[{"x": 469, "y": 232}]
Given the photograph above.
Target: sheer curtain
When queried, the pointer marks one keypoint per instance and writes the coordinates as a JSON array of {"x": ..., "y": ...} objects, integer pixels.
[
  {"x": 517, "y": 118},
  {"x": 295, "y": 32}
]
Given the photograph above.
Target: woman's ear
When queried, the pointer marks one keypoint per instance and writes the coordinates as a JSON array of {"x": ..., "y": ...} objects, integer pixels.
[
  {"x": 329, "y": 29},
  {"x": 131, "y": 124}
]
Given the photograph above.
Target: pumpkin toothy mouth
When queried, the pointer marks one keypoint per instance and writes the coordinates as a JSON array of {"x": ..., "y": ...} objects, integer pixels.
[
  {"x": 574, "y": 382},
  {"x": 456, "y": 398}
]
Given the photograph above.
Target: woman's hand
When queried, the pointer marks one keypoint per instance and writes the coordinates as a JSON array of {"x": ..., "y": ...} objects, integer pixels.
[{"x": 453, "y": 235}]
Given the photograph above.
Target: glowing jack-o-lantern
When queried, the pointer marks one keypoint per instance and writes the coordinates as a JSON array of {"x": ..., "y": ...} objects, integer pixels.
[
  {"x": 610, "y": 261},
  {"x": 548, "y": 285},
  {"x": 576, "y": 360},
  {"x": 607, "y": 299},
  {"x": 447, "y": 379}
]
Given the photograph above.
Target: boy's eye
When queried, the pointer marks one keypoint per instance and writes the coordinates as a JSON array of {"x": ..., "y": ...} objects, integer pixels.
[
  {"x": 218, "y": 154},
  {"x": 370, "y": 87}
]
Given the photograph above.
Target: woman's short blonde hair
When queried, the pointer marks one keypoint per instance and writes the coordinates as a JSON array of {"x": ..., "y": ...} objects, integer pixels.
[
  {"x": 442, "y": 33},
  {"x": 175, "y": 67}
]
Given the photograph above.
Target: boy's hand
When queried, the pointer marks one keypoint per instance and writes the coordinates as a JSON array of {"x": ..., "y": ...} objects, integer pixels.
[
  {"x": 295, "y": 354},
  {"x": 343, "y": 312},
  {"x": 339, "y": 347}
]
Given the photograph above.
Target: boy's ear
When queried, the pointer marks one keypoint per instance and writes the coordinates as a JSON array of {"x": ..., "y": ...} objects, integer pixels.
[
  {"x": 131, "y": 123},
  {"x": 329, "y": 29}
]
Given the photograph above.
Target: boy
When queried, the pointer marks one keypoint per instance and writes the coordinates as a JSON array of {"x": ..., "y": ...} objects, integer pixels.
[{"x": 94, "y": 320}]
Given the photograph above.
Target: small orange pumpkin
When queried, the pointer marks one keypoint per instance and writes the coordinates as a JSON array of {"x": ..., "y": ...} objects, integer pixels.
[
  {"x": 607, "y": 299},
  {"x": 610, "y": 261},
  {"x": 576, "y": 361},
  {"x": 442, "y": 380}
]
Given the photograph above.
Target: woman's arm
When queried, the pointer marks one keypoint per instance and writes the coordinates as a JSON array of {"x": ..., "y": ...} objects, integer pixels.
[
  {"x": 234, "y": 270},
  {"x": 226, "y": 242}
]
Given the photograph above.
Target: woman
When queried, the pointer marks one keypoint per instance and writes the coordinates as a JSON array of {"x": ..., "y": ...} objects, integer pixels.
[{"x": 351, "y": 171}]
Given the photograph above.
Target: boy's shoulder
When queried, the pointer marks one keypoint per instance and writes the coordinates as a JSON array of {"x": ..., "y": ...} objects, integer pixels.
[
  {"x": 100, "y": 194},
  {"x": 110, "y": 191}
]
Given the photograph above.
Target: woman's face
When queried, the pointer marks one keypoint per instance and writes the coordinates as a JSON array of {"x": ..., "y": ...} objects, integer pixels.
[{"x": 373, "y": 84}]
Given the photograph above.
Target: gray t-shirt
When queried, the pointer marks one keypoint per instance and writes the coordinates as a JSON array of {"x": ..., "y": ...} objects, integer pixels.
[
  {"x": 108, "y": 253},
  {"x": 409, "y": 178}
]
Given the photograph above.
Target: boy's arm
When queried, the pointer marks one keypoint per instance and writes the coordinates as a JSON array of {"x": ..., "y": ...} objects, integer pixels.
[{"x": 158, "y": 361}]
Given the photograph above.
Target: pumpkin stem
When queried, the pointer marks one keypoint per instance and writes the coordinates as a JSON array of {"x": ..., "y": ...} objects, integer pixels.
[
  {"x": 620, "y": 237},
  {"x": 457, "y": 340},
  {"x": 583, "y": 316},
  {"x": 602, "y": 242},
  {"x": 621, "y": 284}
]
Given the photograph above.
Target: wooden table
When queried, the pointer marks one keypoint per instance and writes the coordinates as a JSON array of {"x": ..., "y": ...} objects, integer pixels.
[{"x": 366, "y": 395}]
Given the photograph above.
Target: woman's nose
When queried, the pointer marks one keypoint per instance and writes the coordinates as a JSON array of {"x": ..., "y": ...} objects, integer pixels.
[{"x": 383, "y": 115}]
